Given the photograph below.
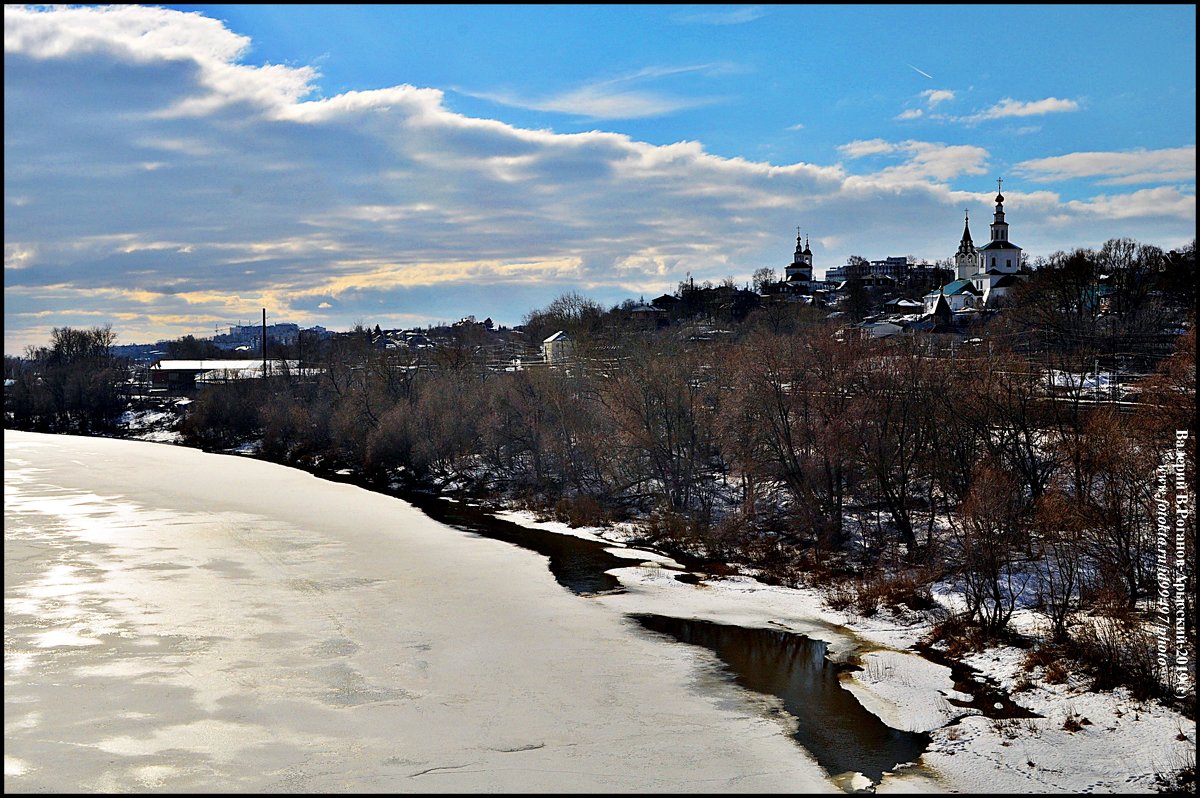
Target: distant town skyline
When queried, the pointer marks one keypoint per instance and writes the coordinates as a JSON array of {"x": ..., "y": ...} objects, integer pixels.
[{"x": 171, "y": 169}]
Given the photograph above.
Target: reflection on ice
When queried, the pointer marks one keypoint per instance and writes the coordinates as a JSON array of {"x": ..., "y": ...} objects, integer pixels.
[
  {"x": 218, "y": 739},
  {"x": 63, "y": 637}
]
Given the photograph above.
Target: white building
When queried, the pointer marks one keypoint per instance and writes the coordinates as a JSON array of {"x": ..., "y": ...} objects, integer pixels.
[
  {"x": 992, "y": 270},
  {"x": 556, "y": 348},
  {"x": 966, "y": 260},
  {"x": 799, "y": 273}
]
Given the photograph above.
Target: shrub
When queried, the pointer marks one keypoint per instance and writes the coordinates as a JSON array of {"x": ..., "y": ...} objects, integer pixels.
[
  {"x": 1118, "y": 652},
  {"x": 839, "y": 594},
  {"x": 1051, "y": 658},
  {"x": 223, "y": 416},
  {"x": 577, "y": 511},
  {"x": 907, "y": 590},
  {"x": 1056, "y": 672},
  {"x": 960, "y": 635},
  {"x": 667, "y": 526}
]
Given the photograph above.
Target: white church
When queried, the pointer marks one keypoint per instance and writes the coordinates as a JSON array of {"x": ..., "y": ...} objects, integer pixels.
[{"x": 984, "y": 275}]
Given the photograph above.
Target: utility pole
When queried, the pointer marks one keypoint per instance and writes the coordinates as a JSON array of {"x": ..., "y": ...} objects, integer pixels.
[
  {"x": 264, "y": 342},
  {"x": 1112, "y": 379}
]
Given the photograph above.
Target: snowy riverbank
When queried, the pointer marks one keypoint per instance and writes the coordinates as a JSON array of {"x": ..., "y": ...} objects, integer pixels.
[{"x": 1123, "y": 748}]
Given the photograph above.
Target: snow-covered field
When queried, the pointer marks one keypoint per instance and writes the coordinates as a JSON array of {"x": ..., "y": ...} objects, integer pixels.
[{"x": 181, "y": 621}]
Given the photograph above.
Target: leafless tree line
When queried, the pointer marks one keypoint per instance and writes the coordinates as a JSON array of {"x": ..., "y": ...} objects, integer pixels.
[{"x": 781, "y": 443}]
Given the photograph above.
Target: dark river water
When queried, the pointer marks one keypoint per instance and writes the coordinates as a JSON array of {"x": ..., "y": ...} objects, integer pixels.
[
  {"x": 830, "y": 723},
  {"x": 579, "y": 565}
]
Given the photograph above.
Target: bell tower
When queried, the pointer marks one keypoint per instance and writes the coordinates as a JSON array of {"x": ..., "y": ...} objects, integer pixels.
[
  {"x": 966, "y": 260},
  {"x": 799, "y": 272}
]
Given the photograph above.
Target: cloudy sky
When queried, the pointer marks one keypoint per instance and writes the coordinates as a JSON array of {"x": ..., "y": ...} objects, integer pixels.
[{"x": 172, "y": 170}]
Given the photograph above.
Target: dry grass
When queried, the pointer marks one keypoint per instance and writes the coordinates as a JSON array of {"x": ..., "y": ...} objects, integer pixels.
[{"x": 577, "y": 511}]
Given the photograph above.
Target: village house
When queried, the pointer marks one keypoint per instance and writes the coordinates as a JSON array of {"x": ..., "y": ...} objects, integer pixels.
[{"x": 556, "y": 348}]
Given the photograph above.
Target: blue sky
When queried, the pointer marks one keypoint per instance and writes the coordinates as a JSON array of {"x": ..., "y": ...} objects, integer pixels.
[{"x": 173, "y": 169}]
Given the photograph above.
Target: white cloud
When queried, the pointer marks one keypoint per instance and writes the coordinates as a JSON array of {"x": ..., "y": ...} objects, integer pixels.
[
  {"x": 601, "y": 101},
  {"x": 861, "y": 149},
  {"x": 138, "y": 32},
  {"x": 923, "y": 160},
  {"x": 1152, "y": 203},
  {"x": 935, "y": 96},
  {"x": 1171, "y": 165},
  {"x": 1009, "y": 107},
  {"x": 616, "y": 98},
  {"x": 148, "y": 35},
  {"x": 18, "y": 255},
  {"x": 719, "y": 16},
  {"x": 929, "y": 161}
]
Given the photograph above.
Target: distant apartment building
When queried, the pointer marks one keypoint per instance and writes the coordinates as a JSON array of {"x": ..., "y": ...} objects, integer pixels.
[
  {"x": 895, "y": 267},
  {"x": 835, "y": 275},
  {"x": 251, "y": 335}
]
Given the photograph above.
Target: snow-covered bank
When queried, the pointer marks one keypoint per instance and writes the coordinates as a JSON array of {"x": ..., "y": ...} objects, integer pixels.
[
  {"x": 1124, "y": 746},
  {"x": 181, "y": 621},
  {"x": 156, "y": 424}
]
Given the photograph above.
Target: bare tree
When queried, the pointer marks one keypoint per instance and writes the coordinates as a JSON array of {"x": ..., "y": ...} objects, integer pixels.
[
  {"x": 988, "y": 543},
  {"x": 662, "y": 401},
  {"x": 1060, "y": 557},
  {"x": 787, "y": 422},
  {"x": 74, "y": 385},
  {"x": 1118, "y": 487},
  {"x": 895, "y": 430},
  {"x": 763, "y": 278}
]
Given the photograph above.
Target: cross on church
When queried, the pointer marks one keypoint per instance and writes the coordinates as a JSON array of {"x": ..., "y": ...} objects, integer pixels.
[{"x": 999, "y": 180}]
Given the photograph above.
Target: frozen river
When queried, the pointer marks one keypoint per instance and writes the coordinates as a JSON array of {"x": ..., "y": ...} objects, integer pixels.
[{"x": 181, "y": 621}]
